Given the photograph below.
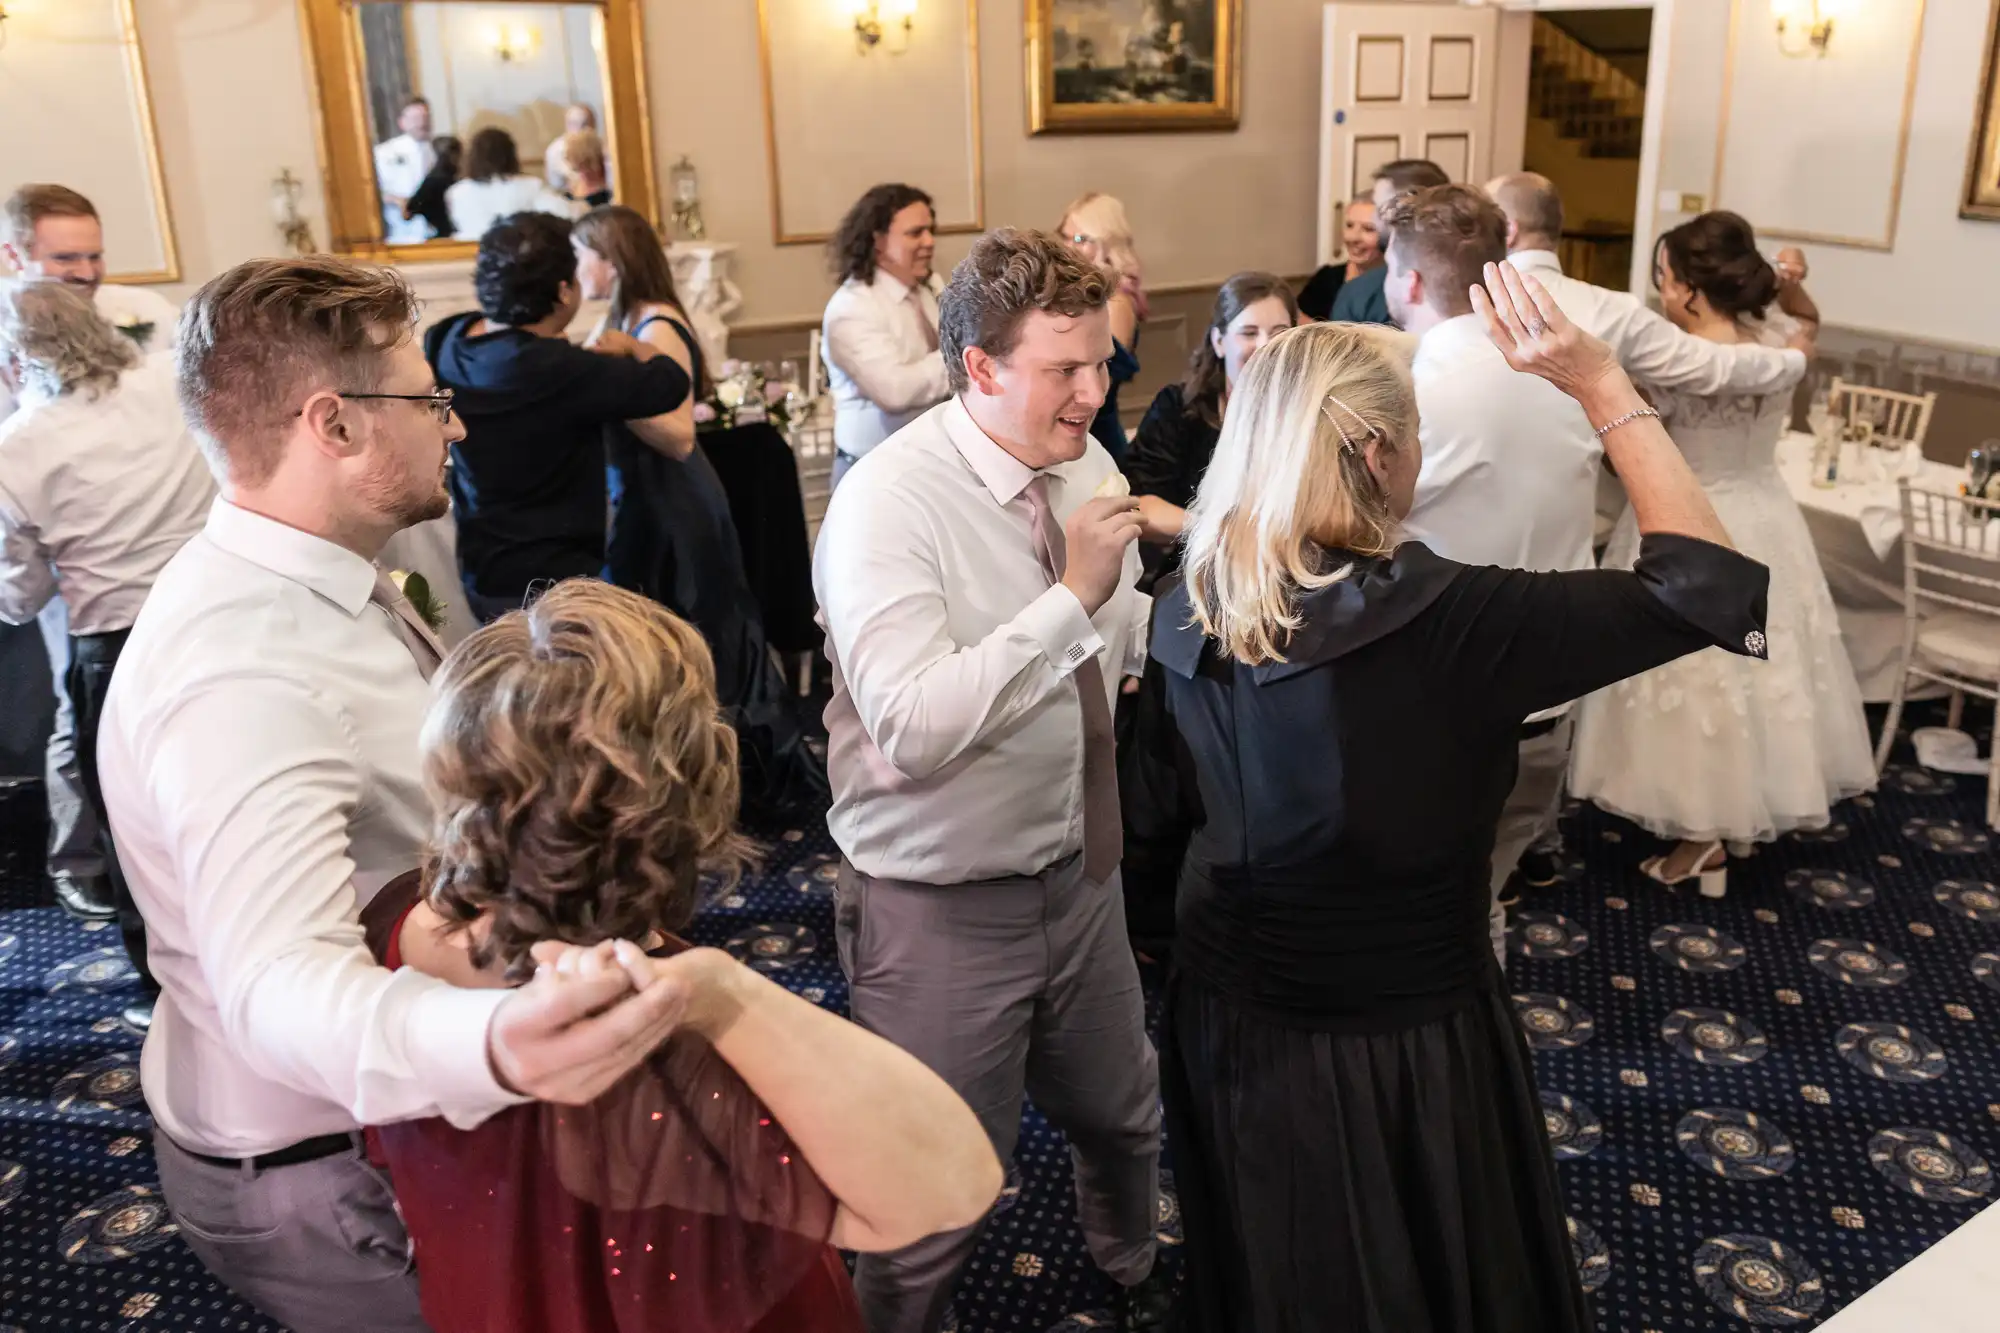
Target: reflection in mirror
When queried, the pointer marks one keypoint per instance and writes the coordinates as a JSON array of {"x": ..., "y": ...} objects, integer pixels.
[{"x": 477, "y": 111}]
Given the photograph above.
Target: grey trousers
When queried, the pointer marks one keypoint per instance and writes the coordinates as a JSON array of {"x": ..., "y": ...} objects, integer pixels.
[
  {"x": 319, "y": 1246},
  {"x": 74, "y": 848},
  {"x": 1003, "y": 987},
  {"x": 1531, "y": 811}
]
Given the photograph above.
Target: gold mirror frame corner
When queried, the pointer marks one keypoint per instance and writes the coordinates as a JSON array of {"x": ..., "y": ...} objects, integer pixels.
[
  {"x": 1981, "y": 199},
  {"x": 1046, "y": 116},
  {"x": 346, "y": 146}
]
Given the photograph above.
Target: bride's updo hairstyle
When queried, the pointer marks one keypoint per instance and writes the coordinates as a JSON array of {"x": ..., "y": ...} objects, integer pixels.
[
  {"x": 581, "y": 773},
  {"x": 1716, "y": 255},
  {"x": 1289, "y": 481}
]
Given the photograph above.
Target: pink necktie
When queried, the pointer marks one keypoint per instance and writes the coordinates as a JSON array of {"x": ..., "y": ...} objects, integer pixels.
[
  {"x": 924, "y": 318},
  {"x": 1103, "y": 825},
  {"x": 416, "y": 635}
]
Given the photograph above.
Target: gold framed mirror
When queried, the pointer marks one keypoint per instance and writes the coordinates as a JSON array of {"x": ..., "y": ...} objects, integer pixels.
[{"x": 501, "y": 83}]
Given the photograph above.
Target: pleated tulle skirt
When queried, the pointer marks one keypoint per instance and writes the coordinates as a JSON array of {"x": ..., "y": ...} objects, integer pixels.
[{"x": 1390, "y": 1182}]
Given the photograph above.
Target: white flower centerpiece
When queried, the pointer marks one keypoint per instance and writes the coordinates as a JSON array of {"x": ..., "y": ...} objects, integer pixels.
[{"x": 745, "y": 395}]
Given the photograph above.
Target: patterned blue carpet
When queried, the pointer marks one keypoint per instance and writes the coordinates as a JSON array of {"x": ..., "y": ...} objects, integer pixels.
[{"x": 1764, "y": 1105}]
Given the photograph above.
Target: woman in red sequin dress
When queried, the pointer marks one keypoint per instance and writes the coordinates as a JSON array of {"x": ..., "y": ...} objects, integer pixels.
[{"x": 582, "y": 781}]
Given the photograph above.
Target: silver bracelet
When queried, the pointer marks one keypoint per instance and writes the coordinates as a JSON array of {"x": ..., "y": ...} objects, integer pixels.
[{"x": 1610, "y": 426}]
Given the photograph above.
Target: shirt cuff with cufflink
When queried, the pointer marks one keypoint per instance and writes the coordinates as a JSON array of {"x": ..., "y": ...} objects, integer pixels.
[{"x": 1056, "y": 621}]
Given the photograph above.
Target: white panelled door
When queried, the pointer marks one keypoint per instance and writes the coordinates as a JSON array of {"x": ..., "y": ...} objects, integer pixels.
[{"x": 1402, "y": 80}]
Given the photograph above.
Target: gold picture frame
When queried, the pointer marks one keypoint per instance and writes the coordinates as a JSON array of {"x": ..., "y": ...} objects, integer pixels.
[
  {"x": 1982, "y": 158},
  {"x": 346, "y": 147},
  {"x": 1169, "y": 85}
]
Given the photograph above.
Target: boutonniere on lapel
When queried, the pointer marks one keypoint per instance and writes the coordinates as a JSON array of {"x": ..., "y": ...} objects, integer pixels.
[
  {"x": 138, "y": 330},
  {"x": 416, "y": 590}
]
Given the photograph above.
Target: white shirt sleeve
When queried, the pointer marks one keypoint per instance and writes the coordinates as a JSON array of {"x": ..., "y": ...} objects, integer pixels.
[
  {"x": 1138, "y": 643},
  {"x": 27, "y": 578},
  {"x": 922, "y": 698},
  {"x": 1656, "y": 353},
  {"x": 256, "y": 781},
  {"x": 866, "y": 350}
]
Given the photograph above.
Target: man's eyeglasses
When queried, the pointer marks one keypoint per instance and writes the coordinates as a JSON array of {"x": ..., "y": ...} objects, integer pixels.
[{"x": 438, "y": 401}]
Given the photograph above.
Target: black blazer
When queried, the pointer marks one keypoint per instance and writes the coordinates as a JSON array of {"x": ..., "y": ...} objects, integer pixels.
[{"x": 1344, "y": 801}]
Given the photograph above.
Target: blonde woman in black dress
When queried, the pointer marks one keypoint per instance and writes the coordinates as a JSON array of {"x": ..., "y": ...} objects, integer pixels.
[{"x": 1359, "y": 1145}]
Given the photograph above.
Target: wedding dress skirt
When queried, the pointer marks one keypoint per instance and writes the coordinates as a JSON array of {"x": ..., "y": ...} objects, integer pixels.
[{"x": 1719, "y": 746}]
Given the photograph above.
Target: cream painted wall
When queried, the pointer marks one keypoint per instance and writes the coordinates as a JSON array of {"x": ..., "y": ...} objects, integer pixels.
[
  {"x": 1937, "y": 282},
  {"x": 231, "y": 103}
]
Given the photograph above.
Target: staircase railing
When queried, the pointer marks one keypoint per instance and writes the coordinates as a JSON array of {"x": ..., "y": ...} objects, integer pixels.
[{"x": 1587, "y": 96}]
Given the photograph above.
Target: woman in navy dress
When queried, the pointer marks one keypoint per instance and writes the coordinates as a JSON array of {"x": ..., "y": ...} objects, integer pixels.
[{"x": 672, "y": 536}]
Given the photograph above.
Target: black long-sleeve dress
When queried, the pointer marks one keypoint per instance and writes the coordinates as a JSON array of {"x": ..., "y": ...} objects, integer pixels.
[
  {"x": 674, "y": 540},
  {"x": 1351, "y": 1103}
]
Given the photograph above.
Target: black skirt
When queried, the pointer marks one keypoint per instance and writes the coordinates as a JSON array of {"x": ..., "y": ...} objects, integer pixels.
[{"x": 1384, "y": 1182}]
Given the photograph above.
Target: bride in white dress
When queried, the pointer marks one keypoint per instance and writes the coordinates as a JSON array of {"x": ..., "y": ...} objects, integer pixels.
[{"x": 1713, "y": 749}]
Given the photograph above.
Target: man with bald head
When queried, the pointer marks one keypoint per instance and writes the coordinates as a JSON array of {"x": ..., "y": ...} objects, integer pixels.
[{"x": 1653, "y": 352}]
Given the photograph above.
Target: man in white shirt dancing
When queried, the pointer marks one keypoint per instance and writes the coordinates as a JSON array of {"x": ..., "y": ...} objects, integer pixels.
[
  {"x": 976, "y": 578},
  {"x": 1650, "y": 348},
  {"x": 880, "y": 332},
  {"x": 260, "y": 766},
  {"x": 1510, "y": 462},
  {"x": 100, "y": 484},
  {"x": 401, "y": 163},
  {"x": 51, "y": 233}
]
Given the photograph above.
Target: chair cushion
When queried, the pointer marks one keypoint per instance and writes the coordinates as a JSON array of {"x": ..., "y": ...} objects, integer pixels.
[{"x": 1962, "y": 641}]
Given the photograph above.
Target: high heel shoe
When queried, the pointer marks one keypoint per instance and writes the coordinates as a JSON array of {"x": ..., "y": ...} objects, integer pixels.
[{"x": 1714, "y": 879}]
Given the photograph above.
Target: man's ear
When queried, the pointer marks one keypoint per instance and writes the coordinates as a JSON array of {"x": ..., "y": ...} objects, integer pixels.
[
  {"x": 329, "y": 423},
  {"x": 983, "y": 371}
]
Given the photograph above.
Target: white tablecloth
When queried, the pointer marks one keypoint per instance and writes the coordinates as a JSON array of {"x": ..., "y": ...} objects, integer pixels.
[
  {"x": 1858, "y": 527},
  {"x": 1953, "y": 1287}
]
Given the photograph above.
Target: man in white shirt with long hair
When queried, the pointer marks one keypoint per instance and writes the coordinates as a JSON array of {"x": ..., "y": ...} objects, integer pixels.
[{"x": 880, "y": 332}]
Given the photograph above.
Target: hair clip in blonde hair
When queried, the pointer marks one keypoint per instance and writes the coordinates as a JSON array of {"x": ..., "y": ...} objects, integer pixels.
[{"x": 1347, "y": 443}]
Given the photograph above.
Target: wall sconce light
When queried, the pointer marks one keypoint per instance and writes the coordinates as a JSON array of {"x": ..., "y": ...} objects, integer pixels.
[
  {"x": 874, "y": 20},
  {"x": 513, "y": 42},
  {"x": 3, "y": 27},
  {"x": 295, "y": 230},
  {"x": 1806, "y": 26}
]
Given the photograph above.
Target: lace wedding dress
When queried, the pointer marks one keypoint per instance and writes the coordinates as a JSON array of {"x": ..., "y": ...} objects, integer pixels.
[{"x": 1719, "y": 746}]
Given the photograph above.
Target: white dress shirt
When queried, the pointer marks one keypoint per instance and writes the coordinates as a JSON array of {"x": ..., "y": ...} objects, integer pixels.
[
  {"x": 401, "y": 164},
  {"x": 1510, "y": 466},
  {"x": 98, "y": 489},
  {"x": 260, "y": 769},
  {"x": 956, "y": 731},
  {"x": 1651, "y": 349},
  {"x": 881, "y": 363},
  {"x": 476, "y": 205}
]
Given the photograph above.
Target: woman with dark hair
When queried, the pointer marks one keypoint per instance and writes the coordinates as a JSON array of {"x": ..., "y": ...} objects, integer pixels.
[
  {"x": 494, "y": 187},
  {"x": 707, "y": 1190},
  {"x": 1177, "y": 437},
  {"x": 672, "y": 537},
  {"x": 1710, "y": 750},
  {"x": 428, "y": 202},
  {"x": 879, "y": 335},
  {"x": 527, "y": 481}
]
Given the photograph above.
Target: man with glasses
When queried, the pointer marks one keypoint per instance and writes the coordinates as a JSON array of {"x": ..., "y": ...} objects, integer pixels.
[
  {"x": 527, "y": 480},
  {"x": 100, "y": 484},
  {"x": 260, "y": 766}
]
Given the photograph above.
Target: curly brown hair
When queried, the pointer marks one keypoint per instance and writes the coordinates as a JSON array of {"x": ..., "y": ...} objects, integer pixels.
[
  {"x": 1009, "y": 275},
  {"x": 581, "y": 773},
  {"x": 851, "y": 252}
]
